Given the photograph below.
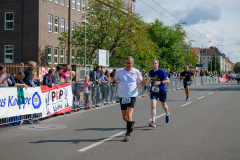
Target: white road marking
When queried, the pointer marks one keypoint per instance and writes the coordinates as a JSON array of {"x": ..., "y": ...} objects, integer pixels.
[
  {"x": 100, "y": 142},
  {"x": 158, "y": 116},
  {"x": 186, "y": 104},
  {"x": 210, "y": 93},
  {"x": 201, "y": 97}
]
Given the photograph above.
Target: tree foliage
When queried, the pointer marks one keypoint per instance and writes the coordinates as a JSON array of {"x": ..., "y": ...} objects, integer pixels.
[
  {"x": 175, "y": 52},
  {"x": 112, "y": 27},
  {"x": 236, "y": 68}
]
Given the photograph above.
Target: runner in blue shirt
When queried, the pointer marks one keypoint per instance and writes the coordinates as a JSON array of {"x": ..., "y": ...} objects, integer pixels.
[{"x": 158, "y": 79}]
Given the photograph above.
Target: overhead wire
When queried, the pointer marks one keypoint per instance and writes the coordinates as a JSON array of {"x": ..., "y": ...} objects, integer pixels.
[
  {"x": 174, "y": 21},
  {"x": 177, "y": 18}
]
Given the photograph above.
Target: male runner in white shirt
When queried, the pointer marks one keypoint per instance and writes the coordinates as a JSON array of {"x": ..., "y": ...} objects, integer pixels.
[{"x": 127, "y": 79}]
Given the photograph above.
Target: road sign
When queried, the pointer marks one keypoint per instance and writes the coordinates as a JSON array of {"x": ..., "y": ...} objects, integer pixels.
[
  {"x": 103, "y": 57},
  {"x": 199, "y": 65}
]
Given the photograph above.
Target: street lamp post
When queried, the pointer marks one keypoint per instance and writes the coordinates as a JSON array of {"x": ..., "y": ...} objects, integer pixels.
[
  {"x": 202, "y": 52},
  {"x": 85, "y": 23}
]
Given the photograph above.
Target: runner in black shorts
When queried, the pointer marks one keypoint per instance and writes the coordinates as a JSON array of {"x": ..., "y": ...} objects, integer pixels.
[
  {"x": 186, "y": 76},
  {"x": 158, "y": 91},
  {"x": 127, "y": 79}
]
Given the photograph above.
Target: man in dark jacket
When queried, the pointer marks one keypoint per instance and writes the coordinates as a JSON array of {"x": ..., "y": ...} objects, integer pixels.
[
  {"x": 17, "y": 80},
  {"x": 48, "y": 79},
  {"x": 96, "y": 88}
]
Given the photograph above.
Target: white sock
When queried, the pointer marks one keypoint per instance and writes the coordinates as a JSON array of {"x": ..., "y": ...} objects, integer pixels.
[{"x": 167, "y": 114}]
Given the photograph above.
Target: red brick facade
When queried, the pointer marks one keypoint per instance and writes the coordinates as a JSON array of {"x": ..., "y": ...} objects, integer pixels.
[{"x": 35, "y": 35}]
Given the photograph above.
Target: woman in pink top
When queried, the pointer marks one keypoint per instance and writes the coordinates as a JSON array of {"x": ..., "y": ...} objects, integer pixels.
[{"x": 85, "y": 90}]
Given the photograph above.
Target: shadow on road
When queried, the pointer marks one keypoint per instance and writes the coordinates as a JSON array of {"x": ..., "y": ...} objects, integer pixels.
[
  {"x": 99, "y": 129},
  {"x": 73, "y": 141}
]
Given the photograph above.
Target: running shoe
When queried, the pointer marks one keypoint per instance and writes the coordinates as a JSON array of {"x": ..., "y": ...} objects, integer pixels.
[
  {"x": 127, "y": 138},
  {"x": 168, "y": 118},
  {"x": 152, "y": 124},
  {"x": 186, "y": 98}
]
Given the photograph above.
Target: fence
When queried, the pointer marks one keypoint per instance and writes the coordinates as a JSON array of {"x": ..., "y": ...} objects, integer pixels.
[
  {"x": 106, "y": 93},
  {"x": 13, "y": 68},
  {"x": 96, "y": 95}
]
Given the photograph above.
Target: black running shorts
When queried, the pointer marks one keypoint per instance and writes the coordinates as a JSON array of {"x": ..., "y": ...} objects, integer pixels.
[
  {"x": 131, "y": 104},
  {"x": 185, "y": 84}
]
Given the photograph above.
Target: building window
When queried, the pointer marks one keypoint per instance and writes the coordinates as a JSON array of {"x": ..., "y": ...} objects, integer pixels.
[
  {"x": 67, "y": 25},
  {"x": 62, "y": 25},
  {"x": 49, "y": 55},
  {"x": 78, "y": 5},
  {"x": 67, "y": 3},
  {"x": 56, "y": 1},
  {"x": 56, "y": 24},
  {"x": 203, "y": 57},
  {"x": 8, "y": 54},
  {"x": 73, "y": 27},
  {"x": 62, "y": 2},
  {"x": 73, "y": 4},
  {"x": 132, "y": 7},
  {"x": 9, "y": 17},
  {"x": 49, "y": 23},
  {"x": 73, "y": 61},
  {"x": 62, "y": 56},
  {"x": 83, "y": 5},
  {"x": 67, "y": 56},
  {"x": 56, "y": 56}
]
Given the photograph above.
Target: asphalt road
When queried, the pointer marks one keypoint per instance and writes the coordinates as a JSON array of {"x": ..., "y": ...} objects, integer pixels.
[{"x": 206, "y": 127}]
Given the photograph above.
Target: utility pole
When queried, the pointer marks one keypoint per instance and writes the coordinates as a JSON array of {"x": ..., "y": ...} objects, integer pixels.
[{"x": 69, "y": 32}]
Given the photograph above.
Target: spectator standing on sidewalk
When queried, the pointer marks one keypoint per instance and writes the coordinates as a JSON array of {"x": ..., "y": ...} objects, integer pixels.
[
  {"x": 17, "y": 80},
  {"x": 48, "y": 79},
  {"x": 96, "y": 86},
  {"x": 57, "y": 77},
  {"x": 4, "y": 77},
  {"x": 113, "y": 73},
  {"x": 65, "y": 73},
  {"x": 32, "y": 67},
  {"x": 86, "y": 91},
  {"x": 113, "y": 88},
  {"x": 32, "y": 80}
]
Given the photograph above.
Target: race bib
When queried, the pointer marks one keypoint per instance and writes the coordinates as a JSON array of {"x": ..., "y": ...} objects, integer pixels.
[
  {"x": 189, "y": 82},
  {"x": 126, "y": 100},
  {"x": 155, "y": 89}
]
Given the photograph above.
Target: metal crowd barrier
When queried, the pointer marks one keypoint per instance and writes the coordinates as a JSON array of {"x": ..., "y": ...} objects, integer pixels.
[
  {"x": 103, "y": 94},
  {"x": 106, "y": 93},
  {"x": 16, "y": 120}
]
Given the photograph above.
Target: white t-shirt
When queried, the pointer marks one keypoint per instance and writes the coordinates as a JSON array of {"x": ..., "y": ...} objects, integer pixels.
[{"x": 127, "y": 82}]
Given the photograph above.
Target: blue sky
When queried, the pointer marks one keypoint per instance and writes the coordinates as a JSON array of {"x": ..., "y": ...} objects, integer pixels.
[{"x": 210, "y": 20}]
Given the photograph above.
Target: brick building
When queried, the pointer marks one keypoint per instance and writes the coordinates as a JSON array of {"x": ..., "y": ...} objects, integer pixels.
[{"x": 29, "y": 29}]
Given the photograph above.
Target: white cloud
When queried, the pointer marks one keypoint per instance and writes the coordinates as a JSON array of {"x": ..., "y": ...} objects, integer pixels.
[{"x": 214, "y": 19}]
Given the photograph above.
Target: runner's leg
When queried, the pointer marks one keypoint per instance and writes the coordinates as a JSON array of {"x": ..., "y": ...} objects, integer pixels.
[
  {"x": 165, "y": 107},
  {"x": 153, "y": 109},
  {"x": 124, "y": 115},
  {"x": 187, "y": 88}
]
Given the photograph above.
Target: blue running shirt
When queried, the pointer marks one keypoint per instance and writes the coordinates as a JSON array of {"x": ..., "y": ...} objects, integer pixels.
[{"x": 159, "y": 75}]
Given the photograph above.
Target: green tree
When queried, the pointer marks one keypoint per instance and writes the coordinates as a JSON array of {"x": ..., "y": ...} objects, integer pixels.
[
  {"x": 236, "y": 68},
  {"x": 171, "y": 43},
  {"x": 218, "y": 68},
  {"x": 112, "y": 27}
]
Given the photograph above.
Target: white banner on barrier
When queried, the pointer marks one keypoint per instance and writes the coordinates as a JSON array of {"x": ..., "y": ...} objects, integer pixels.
[
  {"x": 57, "y": 99},
  {"x": 9, "y": 106}
]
